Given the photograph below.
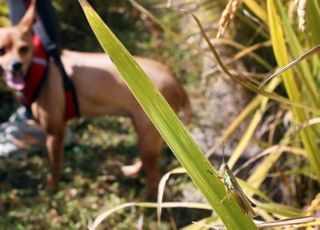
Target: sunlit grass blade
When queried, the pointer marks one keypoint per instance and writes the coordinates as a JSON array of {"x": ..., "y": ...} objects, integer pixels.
[
  {"x": 313, "y": 16},
  {"x": 261, "y": 172},
  {"x": 161, "y": 186},
  {"x": 246, "y": 84},
  {"x": 280, "y": 51},
  {"x": 247, "y": 111},
  {"x": 104, "y": 215},
  {"x": 279, "y": 209},
  {"x": 282, "y": 211},
  {"x": 257, "y": 177},
  {"x": 296, "y": 49},
  {"x": 302, "y": 57},
  {"x": 267, "y": 202},
  {"x": 178, "y": 38},
  {"x": 181, "y": 170},
  {"x": 271, "y": 149},
  {"x": 169, "y": 126},
  {"x": 249, "y": 51},
  {"x": 250, "y": 189},
  {"x": 279, "y": 48},
  {"x": 258, "y": 115},
  {"x": 243, "y": 50},
  {"x": 292, "y": 223},
  {"x": 263, "y": 208},
  {"x": 310, "y": 122},
  {"x": 257, "y": 9},
  {"x": 214, "y": 220}
]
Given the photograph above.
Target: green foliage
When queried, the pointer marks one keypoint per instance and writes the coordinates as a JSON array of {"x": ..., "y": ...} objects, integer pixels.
[
  {"x": 126, "y": 22},
  {"x": 168, "y": 125},
  {"x": 92, "y": 173},
  {"x": 25, "y": 202}
]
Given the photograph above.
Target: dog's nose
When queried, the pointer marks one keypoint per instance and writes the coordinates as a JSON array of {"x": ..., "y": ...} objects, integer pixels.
[{"x": 16, "y": 65}]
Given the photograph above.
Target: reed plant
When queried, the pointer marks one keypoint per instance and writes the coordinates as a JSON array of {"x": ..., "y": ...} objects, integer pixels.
[{"x": 298, "y": 99}]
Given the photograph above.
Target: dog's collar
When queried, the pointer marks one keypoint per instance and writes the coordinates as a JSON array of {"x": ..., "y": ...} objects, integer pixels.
[{"x": 36, "y": 74}]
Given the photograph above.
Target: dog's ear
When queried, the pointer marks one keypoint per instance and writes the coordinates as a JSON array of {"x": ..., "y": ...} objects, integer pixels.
[{"x": 26, "y": 22}]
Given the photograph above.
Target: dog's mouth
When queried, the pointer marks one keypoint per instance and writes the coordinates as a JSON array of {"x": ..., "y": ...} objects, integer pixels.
[{"x": 15, "y": 80}]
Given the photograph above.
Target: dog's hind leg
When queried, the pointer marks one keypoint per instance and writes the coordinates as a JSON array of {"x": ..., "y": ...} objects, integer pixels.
[{"x": 149, "y": 146}]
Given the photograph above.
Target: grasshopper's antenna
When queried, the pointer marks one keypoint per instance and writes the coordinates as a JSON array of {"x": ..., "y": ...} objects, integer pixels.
[{"x": 223, "y": 154}]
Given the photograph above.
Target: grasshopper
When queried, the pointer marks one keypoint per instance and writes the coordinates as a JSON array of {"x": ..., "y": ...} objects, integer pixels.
[{"x": 233, "y": 188}]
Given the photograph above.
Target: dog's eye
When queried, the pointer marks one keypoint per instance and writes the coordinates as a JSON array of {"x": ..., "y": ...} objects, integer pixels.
[
  {"x": 24, "y": 49},
  {"x": 2, "y": 51}
]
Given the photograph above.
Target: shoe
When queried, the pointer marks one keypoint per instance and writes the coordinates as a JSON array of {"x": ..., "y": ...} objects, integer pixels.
[
  {"x": 17, "y": 138},
  {"x": 21, "y": 135}
]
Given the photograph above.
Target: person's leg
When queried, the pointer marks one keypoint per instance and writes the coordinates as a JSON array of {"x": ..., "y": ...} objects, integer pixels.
[
  {"x": 49, "y": 20},
  {"x": 17, "y": 9}
]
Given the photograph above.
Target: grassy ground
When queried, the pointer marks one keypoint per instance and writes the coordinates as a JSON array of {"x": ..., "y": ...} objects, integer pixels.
[{"x": 92, "y": 181}]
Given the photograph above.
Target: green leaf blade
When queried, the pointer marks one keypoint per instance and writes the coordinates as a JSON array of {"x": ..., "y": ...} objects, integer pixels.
[
  {"x": 169, "y": 126},
  {"x": 280, "y": 52}
]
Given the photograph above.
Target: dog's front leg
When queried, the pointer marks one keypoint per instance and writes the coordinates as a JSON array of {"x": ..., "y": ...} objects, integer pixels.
[{"x": 55, "y": 147}]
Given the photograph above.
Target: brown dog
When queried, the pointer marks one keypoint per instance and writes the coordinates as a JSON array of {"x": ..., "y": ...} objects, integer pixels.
[{"x": 100, "y": 91}]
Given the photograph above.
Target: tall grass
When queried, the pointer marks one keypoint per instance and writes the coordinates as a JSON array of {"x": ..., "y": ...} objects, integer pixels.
[
  {"x": 169, "y": 126},
  {"x": 300, "y": 86},
  {"x": 289, "y": 147}
]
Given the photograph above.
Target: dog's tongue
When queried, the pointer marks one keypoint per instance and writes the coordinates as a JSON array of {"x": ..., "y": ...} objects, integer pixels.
[{"x": 15, "y": 82}]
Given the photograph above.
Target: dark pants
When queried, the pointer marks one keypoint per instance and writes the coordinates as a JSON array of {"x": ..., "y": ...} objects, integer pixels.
[{"x": 47, "y": 21}]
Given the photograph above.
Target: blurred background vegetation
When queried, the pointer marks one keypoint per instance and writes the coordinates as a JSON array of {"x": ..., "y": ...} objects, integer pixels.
[{"x": 92, "y": 180}]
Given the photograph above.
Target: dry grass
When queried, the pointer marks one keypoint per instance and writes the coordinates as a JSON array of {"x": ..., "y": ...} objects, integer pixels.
[{"x": 227, "y": 16}]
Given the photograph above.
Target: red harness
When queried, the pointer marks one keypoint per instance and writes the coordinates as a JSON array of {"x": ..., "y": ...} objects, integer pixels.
[
  {"x": 36, "y": 73},
  {"x": 36, "y": 76}
]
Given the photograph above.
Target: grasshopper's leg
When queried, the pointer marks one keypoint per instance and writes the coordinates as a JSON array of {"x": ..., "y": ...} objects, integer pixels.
[{"x": 227, "y": 196}]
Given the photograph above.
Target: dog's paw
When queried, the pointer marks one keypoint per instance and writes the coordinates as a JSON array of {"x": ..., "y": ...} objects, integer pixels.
[{"x": 52, "y": 185}]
